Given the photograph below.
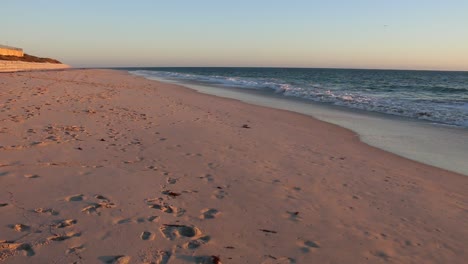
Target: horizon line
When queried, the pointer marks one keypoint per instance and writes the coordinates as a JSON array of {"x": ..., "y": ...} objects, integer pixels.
[{"x": 276, "y": 67}]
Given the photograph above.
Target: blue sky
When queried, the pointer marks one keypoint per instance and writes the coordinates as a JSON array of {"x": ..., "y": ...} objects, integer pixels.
[{"x": 345, "y": 34}]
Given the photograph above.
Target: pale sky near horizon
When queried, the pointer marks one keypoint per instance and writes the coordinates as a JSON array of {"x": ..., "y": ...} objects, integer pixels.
[{"x": 397, "y": 34}]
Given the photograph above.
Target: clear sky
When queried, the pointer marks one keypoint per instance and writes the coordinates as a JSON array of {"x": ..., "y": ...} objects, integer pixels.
[{"x": 403, "y": 34}]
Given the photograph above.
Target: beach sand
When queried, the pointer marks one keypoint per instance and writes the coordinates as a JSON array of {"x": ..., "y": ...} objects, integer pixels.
[{"x": 99, "y": 166}]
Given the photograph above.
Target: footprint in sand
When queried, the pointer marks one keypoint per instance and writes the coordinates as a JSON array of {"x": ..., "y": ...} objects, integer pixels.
[
  {"x": 147, "y": 236},
  {"x": 151, "y": 201},
  {"x": 171, "y": 180},
  {"x": 278, "y": 260},
  {"x": 196, "y": 243},
  {"x": 207, "y": 178},
  {"x": 382, "y": 255},
  {"x": 65, "y": 223},
  {"x": 209, "y": 213},
  {"x": 153, "y": 218},
  {"x": 295, "y": 188},
  {"x": 169, "y": 209},
  {"x": 76, "y": 249},
  {"x": 219, "y": 193},
  {"x": 10, "y": 248},
  {"x": 152, "y": 167},
  {"x": 172, "y": 232},
  {"x": 75, "y": 198},
  {"x": 48, "y": 211},
  {"x": 307, "y": 245},
  {"x": 162, "y": 257},
  {"x": 141, "y": 220},
  {"x": 201, "y": 259},
  {"x": 91, "y": 209},
  {"x": 213, "y": 165},
  {"x": 31, "y": 176},
  {"x": 20, "y": 227},
  {"x": 123, "y": 221},
  {"x": 171, "y": 193},
  {"x": 293, "y": 216},
  {"x": 64, "y": 236},
  {"x": 94, "y": 207},
  {"x": 101, "y": 197},
  {"x": 121, "y": 259},
  {"x": 156, "y": 203}
]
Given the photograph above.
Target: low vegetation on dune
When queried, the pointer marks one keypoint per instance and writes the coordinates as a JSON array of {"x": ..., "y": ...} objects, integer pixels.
[{"x": 29, "y": 58}]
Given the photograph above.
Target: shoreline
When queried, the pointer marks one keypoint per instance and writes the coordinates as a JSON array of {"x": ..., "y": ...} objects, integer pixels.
[
  {"x": 101, "y": 165},
  {"x": 443, "y": 146}
]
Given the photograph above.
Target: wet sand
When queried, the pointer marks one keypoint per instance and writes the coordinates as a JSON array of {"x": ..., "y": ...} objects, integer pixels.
[{"x": 98, "y": 166}]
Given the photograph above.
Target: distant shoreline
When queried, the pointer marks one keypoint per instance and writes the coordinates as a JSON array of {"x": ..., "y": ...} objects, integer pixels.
[{"x": 279, "y": 67}]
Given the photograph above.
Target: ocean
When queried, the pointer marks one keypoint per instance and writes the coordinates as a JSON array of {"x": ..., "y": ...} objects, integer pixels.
[{"x": 435, "y": 96}]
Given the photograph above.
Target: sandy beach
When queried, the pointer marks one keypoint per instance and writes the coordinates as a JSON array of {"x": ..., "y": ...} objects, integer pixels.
[{"x": 99, "y": 166}]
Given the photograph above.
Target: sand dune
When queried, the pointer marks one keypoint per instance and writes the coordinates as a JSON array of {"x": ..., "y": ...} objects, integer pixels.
[
  {"x": 98, "y": 166},
  {"x": 15, "y": 66}
]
